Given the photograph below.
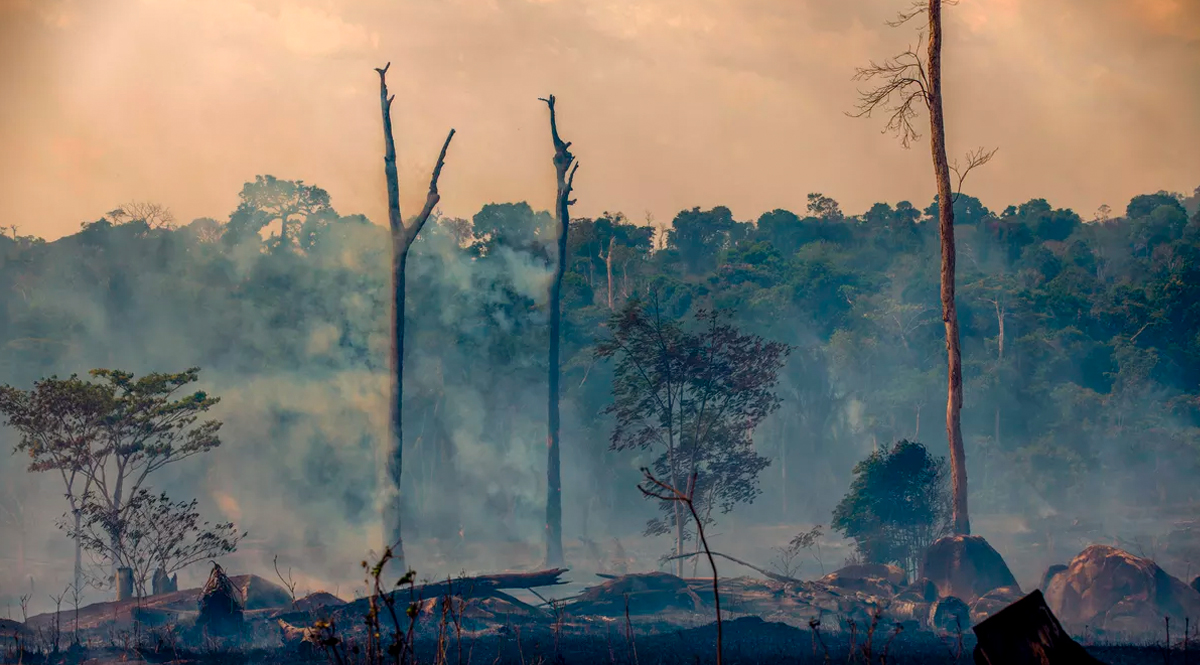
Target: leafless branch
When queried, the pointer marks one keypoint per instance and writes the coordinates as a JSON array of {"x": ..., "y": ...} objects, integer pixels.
[
  {"x": 918, "y": 8},
  {"x": 431, "y": 199},
  {"x": 975, "y": 159},
  {"x": 903, "y": 85}
]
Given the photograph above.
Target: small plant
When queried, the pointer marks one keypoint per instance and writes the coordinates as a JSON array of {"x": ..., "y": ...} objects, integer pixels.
[
  {"x": 668, "y": 493},
  {"x": 785, "y": 557}
]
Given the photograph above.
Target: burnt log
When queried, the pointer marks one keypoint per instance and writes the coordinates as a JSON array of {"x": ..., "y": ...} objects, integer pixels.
[
  {"x": 1027, "y": 633},
  {"x": 220, "y": 605},
  {"x": 486, "y": 585}
]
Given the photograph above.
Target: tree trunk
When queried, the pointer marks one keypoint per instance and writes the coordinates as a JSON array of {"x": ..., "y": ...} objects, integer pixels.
[
  {"x": 78, "y": 552},
  {"x": 563, "y": 161},
  {"x": 941, "y": 167},
  {"x": 608, "y": 265},
  {"x": 402, "y": 239},
  {"x": 395, "y": 442}
]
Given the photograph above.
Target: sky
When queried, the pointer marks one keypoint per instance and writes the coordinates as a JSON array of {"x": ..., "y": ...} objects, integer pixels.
[{"x": 670, "y": 104}]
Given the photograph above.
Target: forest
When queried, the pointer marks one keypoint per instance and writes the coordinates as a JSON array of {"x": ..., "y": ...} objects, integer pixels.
[
  {"x": 1080, "y": 345},
  {"x": 476, "y": 406}
]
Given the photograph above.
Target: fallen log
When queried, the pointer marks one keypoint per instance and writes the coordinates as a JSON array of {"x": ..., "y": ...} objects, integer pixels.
[
  {"x": 485, "y": 585},
  {"x": 769, "y": 575},
  {"x": 1027, "y": 633}
]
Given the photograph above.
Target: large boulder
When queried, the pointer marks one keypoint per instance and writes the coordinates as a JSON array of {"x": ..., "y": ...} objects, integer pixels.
[
  {"x": 1049, "y": 575},
  {"x": 965, "y": 567},
  {"x": 949, "y": 615},
  {"x": 1116, "y": 592},
  {"x": 993, "y": 601}
]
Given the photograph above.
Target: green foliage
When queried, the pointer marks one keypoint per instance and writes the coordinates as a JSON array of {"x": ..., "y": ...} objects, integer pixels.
[
  {"x": 1090, "y": 394},
  {"x": 897, "y": 505}
]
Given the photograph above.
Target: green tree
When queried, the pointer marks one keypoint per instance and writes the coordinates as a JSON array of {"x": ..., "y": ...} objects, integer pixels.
[
  {"x": 898, "y": 504},
  {"x": 694, "y": 398}
]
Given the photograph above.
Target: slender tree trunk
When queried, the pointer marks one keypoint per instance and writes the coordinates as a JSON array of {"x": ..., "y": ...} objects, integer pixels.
[
  {"x": 608, "y": 265},
  {"x": 402, "y": 239},
  {"x": 564, "y": 161},
  {"x": 78, "y": 552},
  {"x": 941, "y": 167},
  {"x": 395, "y": 447}
]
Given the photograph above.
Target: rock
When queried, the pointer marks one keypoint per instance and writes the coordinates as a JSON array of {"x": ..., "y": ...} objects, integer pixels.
[
  {"x": 922, "y": 590},
  {"x": 949, "y": 614},
  {"x": 993, "y": 601},
  {"x": 318, "y": 600},
  {"x": 1049, "y": 576},
  {"x": 260, "y": 594},
  {"x": 893, "y": 574},
  {"x": 1114, "y": 591},
  {"x": 1195, "y": 583},
  {"x": 220, "y": 605},
  {"x": 965, "y": 567}
]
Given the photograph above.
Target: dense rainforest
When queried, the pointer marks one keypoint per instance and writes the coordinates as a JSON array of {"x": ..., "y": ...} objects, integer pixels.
[{"x": 1080, "y": 338}]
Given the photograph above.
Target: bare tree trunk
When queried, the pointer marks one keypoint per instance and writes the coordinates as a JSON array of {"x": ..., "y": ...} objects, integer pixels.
[
  {"x": 608, "y": 264},
  {"x": 402, "y": 239},
  {"x": 564, "y": 161},
  {"x": 78, "y": 552},
  {"x": 941, "y": 167}
]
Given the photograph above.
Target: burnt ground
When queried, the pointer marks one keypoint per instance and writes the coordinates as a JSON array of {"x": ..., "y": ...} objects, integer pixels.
[{"x": 746, "y": 640}]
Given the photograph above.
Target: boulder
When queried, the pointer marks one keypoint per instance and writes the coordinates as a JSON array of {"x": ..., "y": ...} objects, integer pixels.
[
  {"x": 1049, "y": 576},
  {"x": 1195, "y": 583},
  {"x": 922, "y": 590},
  {"x": 1114, "y": 591},
  {"x": 261, "y": 594},
  {"x": 317, "y": 600},
  {"x": 965, "y": 567},
  {"x": 950, "y": 615},
  {"x": 993, "y": 601}
]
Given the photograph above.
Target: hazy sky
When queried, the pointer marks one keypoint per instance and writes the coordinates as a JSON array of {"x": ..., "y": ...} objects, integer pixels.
[{"x": 669, "y": 103}]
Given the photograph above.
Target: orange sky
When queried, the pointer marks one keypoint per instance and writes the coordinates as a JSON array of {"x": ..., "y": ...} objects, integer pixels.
[{"x": 669, "y": 103}]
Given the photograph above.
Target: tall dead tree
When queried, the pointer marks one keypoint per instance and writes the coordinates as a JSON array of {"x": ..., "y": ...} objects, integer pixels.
[
  {"x": 607, "y": 258},
  {"x": 906, "y": 81},
  {"x": 402, "y": 240},
  {"x": 564, "y": 167}
]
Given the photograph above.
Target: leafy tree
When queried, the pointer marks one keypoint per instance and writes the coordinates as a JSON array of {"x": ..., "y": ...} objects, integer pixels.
[
  {"x": 695, "y": 398},
  {"x": 61, "y": 427},
  {"x": 699, "y": 236},
  {"x": 898, "y": 504},
  {"x": 268, "y": 199},
  {"x": 150, "y": 533},
  {"x": 105, "y": 438}
]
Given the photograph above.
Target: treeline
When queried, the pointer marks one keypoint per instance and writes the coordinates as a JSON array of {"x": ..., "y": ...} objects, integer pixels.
[{"x": 1081, "y": 341}]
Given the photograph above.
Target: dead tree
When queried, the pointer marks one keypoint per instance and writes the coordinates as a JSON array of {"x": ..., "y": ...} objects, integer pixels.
[
  {"x": 907, "y": 81},
  {"x": 607, "y": 258},
  {"x": 564, "y": 167},
  {"x": 402, "y": 240}
]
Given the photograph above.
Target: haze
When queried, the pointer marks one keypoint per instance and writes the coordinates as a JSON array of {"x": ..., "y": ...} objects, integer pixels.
[{"x": 670, "y": 103}]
